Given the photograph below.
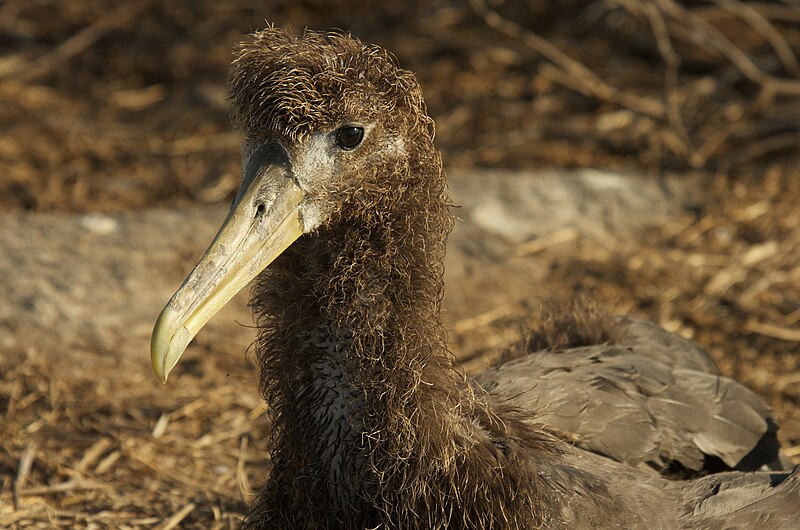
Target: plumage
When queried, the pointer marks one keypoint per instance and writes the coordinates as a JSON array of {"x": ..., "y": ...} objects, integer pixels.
[
  {"x": 343, "y": 217},
  {"x": 649, "y": 398}
]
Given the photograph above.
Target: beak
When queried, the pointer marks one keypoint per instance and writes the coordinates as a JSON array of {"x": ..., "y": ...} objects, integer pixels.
[{"x": 264, "y": 220}]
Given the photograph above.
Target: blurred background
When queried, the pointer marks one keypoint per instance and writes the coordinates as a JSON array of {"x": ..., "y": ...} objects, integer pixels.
[
  {"x": 110, "y": 109},
  {"x": 111, "y": 104}
]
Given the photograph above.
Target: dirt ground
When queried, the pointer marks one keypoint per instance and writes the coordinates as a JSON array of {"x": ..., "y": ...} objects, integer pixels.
[{"x": 113, "y": 111}]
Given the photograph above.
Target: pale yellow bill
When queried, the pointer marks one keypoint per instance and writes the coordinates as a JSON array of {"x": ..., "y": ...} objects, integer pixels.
[{"x": 249, "y": 240}]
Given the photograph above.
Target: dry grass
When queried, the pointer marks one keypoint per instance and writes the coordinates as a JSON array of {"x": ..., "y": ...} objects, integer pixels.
[
  {"x": 78, "y": 452},
  {"x": 111, "y": 105}
]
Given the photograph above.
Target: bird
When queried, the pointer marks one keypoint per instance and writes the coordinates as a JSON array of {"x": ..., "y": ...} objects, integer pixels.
[{"x": 341, "y": 220}]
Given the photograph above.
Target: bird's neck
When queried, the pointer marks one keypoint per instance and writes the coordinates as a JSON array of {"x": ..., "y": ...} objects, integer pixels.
[{"x": 370, "y": 414}]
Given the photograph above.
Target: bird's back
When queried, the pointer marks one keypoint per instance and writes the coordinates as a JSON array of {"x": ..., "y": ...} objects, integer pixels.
[
  {"x": 651, "y": 400},
  {"x": 590, "y": 492}
]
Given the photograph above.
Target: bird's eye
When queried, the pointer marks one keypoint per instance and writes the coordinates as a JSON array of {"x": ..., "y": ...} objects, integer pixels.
[{"x": 349, "y": 137}]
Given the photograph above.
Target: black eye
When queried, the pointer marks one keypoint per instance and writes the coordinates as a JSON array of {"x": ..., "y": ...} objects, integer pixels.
[{"x": 349, "y": 137}]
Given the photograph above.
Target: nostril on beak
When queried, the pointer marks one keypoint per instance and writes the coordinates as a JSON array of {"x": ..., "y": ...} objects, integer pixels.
[{"x": 260, "y": 209}]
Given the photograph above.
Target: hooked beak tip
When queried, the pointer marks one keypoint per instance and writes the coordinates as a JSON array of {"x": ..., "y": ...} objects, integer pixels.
[{"x": 165, "y": 347}]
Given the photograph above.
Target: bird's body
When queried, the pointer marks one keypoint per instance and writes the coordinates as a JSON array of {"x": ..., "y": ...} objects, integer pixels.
[
  {"x": 647, "y": 398},
  {"x": 374, "y": 424}
]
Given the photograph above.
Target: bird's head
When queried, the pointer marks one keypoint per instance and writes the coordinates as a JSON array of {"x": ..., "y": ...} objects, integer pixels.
[{"x": 332, "y": 129}]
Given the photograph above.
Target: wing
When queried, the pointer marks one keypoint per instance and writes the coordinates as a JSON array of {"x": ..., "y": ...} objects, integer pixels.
[
  {"x": 653, "y": 399},
  {"x": 734, "y": 501},
  {"x": 589, "y": 492}
]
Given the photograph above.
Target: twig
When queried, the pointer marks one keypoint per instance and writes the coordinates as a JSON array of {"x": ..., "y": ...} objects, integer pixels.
[
  {"x": 672, "y": 94},
  {"x": 79, "y": 42},
  {"x": 94, "y": 453},
  {"x": 717, "y": 138},
  {"x": 771, "y": 330},
  {"x": 484, "y": 319},
  {"x": 584, "y": 80},
  {"x": 713, "y": 37},
  {"x": 106, "y": 463},
  {"x": 772, "y": 11},
  {"x": 759, "y": 148},
  {"x": 61, "y": 487},
  {"x": 179, "y": 516},
  {"x": 161, "y": 426},
  {"x": 548, "y": 240},
  {"x": 189, "y": 408},
  {"x": 24, "y": 469},
  {"x": 762, "y": 25},
  {"x": 242, "y": 481}
]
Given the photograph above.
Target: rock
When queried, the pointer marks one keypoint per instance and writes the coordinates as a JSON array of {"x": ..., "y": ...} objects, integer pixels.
[{"x": 97, "y": 282}]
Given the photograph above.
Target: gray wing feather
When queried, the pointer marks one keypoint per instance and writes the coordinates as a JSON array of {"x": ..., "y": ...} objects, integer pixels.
[{"x": 655, "y": 402}]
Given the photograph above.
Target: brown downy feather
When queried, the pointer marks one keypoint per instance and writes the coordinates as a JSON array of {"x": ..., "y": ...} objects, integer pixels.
[
  {"x": 564, "y": 324},
  {"x": 432, "y": 453}
]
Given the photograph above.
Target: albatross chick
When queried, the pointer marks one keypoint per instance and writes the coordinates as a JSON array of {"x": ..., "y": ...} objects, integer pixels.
[{"x": 343, "y": 216}]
